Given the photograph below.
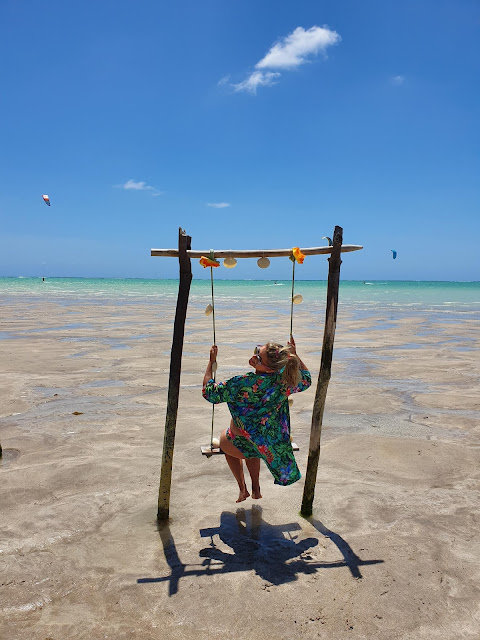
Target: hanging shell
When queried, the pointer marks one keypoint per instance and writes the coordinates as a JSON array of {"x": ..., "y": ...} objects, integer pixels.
[
  {"x": 214, "y": 367},
  {"x": 229, "y": 262},
  {"x": 208, "y": 309},
  {"x": 297, "y": 299},
  {"x": 215, "y": 442},
  {"x": 263, "y": 263}
]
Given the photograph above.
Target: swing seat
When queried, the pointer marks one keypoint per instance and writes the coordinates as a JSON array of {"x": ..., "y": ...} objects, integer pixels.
[{"x": 208, "y": 451}]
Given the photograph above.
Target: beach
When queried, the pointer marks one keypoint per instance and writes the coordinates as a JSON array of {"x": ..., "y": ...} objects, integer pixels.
[{"x": 392, "y": 548}]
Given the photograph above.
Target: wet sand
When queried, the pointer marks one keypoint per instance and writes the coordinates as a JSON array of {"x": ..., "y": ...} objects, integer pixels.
[{"x": 391, "y": 551}]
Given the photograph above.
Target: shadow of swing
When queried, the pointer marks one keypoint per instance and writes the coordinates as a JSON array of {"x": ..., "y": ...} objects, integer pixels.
[
  {"x": 271, "y": 551},
  {"x": 351, "y": 560}
]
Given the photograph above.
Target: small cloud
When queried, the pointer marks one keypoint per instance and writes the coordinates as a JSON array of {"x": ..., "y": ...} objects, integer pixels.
[
  {"x": 131, "y": 185},
  {"x": 223, "y": 81},
  {"x": 256, "y": 79},
  {"x": 218, "y": 205},
  {"x": 397, "y": 80},
  {"x": 294, "y": 49}
]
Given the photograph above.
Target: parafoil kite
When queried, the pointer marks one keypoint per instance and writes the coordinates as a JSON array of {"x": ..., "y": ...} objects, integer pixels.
[
  {"x": 394, "y": 253},
  {"x": 46, "y": 199}
]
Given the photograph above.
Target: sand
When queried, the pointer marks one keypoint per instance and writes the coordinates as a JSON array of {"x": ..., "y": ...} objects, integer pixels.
[{"x": 391, "y": 551}]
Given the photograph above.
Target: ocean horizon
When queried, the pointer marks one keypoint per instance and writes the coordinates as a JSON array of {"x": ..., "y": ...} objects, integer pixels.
[{"x": 409, "y": 295}]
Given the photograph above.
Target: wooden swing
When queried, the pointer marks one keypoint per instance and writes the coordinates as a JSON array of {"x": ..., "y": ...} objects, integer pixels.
[
  {"x": 230, "y": 262},
  {"x": 184, "y": 253}
]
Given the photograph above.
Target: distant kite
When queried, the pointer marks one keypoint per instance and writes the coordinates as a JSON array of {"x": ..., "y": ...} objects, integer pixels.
[
  {"x": 394, "y": 253},
  {"x": 46, "y": 199},
  {"x": 330, "y": 243}
]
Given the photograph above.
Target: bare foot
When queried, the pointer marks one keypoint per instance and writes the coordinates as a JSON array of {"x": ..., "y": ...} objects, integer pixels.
[
  {"x": 256, "y": 495},
  {"x": 243, "y": 495}
]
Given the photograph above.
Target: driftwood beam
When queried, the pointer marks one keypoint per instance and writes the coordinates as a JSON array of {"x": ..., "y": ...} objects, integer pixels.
[
  {"x": 325, "y": 373},
  {"x": 253, "y": 253},
  {"x": 184, "y": 243}
]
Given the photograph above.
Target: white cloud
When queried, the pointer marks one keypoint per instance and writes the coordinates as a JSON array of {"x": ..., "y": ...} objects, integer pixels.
[
  {"x": 139, "y": 186},
  {"x": 218, "y": 205},
  {"x": 288, "y": 53},
  {"x": 223, "y": 81},
  {"x": 256, "y": 79},
  {"x": 294, "y": 49},
  {"x": 397, "y": 80}
]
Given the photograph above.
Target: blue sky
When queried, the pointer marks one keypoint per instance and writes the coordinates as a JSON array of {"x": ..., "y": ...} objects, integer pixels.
[{"x": 134, "y": 117}]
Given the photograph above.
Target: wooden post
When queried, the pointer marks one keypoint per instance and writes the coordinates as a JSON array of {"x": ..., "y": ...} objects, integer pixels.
[
  {"x": 184, "y": 244},
  {"x": 324, "y": 374}
]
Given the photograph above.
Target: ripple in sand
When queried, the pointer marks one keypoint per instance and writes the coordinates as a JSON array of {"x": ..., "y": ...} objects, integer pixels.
[{"x": 8, "y": 455}]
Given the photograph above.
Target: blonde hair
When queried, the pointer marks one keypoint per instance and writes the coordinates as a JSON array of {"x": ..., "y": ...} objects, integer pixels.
[{"x": 280, "y": 357}]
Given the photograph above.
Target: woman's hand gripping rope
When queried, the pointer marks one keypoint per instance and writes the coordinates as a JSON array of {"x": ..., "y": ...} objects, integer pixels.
[
  {"x": 211, "y": 366},
  {"x": 291, "y": 345},
  {"x": 293, "y": 350}
]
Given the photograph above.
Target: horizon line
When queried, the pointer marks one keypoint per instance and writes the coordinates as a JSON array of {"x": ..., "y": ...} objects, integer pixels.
[{"x": 225, "y": 279}]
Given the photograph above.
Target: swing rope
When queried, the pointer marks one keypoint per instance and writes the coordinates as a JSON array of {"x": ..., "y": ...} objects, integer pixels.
[
  {"x": 291, "y": 304},
  {"x": 214, "y": 368},
  {"x": 297, "y": 256}
]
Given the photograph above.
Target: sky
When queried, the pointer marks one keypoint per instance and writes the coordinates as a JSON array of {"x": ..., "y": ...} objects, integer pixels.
[{"x": 251, "y": 125}]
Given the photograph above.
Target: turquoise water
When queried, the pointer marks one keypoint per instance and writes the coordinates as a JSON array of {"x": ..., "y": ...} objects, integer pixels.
[{"x": 371, "y": 295}]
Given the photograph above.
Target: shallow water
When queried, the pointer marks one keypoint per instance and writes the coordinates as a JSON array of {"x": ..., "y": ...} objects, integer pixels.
[{"x": 456, "y": 298}]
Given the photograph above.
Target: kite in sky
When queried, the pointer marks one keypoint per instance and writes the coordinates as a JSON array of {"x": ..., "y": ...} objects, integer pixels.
[
  {"x": 46, "y": 199},
  {"x": 394, "y": 253}
]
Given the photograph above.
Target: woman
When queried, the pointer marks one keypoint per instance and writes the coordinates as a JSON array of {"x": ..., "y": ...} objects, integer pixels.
[{"x": 258, "y": 403}]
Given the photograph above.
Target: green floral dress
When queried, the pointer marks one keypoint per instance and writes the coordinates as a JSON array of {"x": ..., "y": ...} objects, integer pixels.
[{"x": 258, "y": 403}]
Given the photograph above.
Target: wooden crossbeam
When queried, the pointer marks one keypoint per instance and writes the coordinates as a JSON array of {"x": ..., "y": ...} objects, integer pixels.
[{"x": 252, "y": 253}]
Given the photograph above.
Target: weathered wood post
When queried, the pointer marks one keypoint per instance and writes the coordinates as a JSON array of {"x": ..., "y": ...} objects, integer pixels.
[
  {"x": 184, "y": 243},
  {"x": 334, "y": 263}
]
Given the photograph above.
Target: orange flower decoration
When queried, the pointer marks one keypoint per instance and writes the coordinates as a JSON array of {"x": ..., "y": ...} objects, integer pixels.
[
  {"x": 208, "y": 262},
  {"x": 298, "y": 255}
]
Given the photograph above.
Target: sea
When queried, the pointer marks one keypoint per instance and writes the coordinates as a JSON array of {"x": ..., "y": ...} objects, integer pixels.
[{"x": 361, "y": 297}]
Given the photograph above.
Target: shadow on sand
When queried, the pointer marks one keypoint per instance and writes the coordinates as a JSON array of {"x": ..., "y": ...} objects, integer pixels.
[{"x": 271, "y": 551}]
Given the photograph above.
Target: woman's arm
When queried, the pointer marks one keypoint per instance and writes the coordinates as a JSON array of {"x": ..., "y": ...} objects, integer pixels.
[
  {"x": 305, "y": 379},
  {"x": 216, "y": 392},
  {"x": 293, "y": 349},
  {"x": 213, "y": 358}
]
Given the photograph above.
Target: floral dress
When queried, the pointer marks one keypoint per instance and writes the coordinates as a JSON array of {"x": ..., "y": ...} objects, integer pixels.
[{"x": 258, "y": 403}]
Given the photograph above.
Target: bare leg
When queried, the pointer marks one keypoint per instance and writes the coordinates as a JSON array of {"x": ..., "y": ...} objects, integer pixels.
[
  {"x": 235, "y": 458},
  {"x": 253, "y": 466},
  {"x": 236, "y": 467}
]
